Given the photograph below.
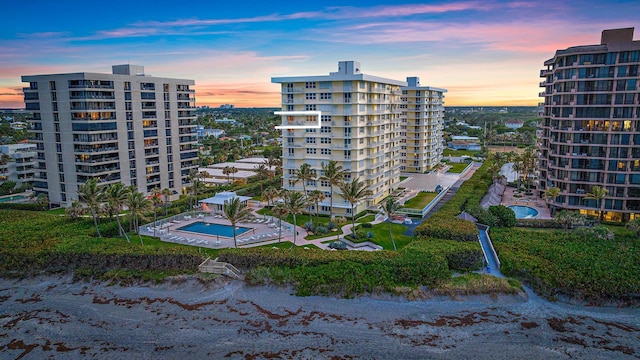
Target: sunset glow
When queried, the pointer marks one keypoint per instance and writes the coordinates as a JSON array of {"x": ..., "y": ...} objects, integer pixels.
[{"x": 483, "y": 52}]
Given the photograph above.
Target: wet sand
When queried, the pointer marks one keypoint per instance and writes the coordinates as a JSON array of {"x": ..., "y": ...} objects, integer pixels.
[{"x": 54, "y": 317}]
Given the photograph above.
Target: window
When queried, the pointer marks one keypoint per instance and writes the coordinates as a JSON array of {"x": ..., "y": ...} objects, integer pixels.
[
  {"x": 310, "y": 107},
  {"x": 325, "y": 129},
  {"x": 310, "y": 96},
  {"x": 325, "y": 140},
  {"x": 324, "y": 183},
  {"x": 311, "y": 151},
  {"x": 325, "y": 118},
  {"x": 310, "y": 140},
  {"x": 325, "y": 151},
  {"x": 310, "y": 85},
  {"x": 325, "y": 96}
]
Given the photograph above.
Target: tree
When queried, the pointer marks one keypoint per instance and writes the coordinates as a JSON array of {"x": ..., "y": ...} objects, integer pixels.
[
  {"x": 233, "y": 171},
  {"x": 354, "y": 191},
  {"x": 227, "y": 171},
  {"x": 598, "y": 194},
  {"x": 295, "y": 203},
  {"x": 156, "y": 200},
  {"x": 389, "y": 208},
  {"x": 634, "y": 225},
  {"x": 236, "y": 211},
  {"x": 528, "y": 160},
  {"x": 270, "y": 194},
  {"x": 280, "y": 212},
  {"x": 138, "y": 205},
  {"x": 75, "y": 211},
  {"x": 116, "y": 196},
  {"x": 494, "y": 171},
  {"x": 517, "y": 167},
  {"x": 569, "y": 219},
  {"x": 334, "y": 174},
  {"x": 166, "y": 192},
  {"x": 551, "y": 194},
  {"x": 91, "y": 195},
  {"x": 304, "y": 174},
  {"x": 263, "y": 172},
  {"x": 316, "y": 197}
]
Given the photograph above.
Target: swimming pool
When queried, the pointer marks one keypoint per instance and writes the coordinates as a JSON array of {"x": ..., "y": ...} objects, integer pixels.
[
  {"x": 213, "y": 229},
  {"x": 13, "y": 198},
  {"x": 524, "y": 212}
]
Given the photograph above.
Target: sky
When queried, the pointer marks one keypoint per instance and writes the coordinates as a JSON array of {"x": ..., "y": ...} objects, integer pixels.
[{"x": 483, "y": 52}]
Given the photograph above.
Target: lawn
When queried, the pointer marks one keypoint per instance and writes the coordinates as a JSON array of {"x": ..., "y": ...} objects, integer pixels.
[
  {"x": 457, "y": 168},
  {"x": 420, "y": 201},
  {"x": 302, "y": 219},
  {"x": 381, "y": 235},
  {"x": 450, "y": 152}
]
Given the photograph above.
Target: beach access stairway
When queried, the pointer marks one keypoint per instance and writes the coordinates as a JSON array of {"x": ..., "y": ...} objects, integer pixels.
[
  {"x": 490, "y": 255},
  {"x": 222, "y": 268}
]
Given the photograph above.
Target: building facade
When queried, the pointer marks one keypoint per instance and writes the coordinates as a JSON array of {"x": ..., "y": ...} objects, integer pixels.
[
  {"x": 591, "y": 126},
  {"x": 364, "y": 127},
  {"x": 18, "y": 163},
  {"x": 121, "y": 127},
  {"x": 422, "y": 118}
]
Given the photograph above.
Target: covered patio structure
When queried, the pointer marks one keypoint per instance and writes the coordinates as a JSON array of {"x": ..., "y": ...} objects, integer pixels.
[{"x": 215, "y": 204}]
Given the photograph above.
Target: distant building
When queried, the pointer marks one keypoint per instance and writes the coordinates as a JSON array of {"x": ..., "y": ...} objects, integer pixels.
[
  {"x": 226, "y": 106},
  {"x": 225, "y": 121},
  {"x": 20, "y": 166},
  {"x": 122, "y": 127},
  {"x": 463, "y": 145},
  {"x": 591, "y": 126},
  {"x": 514, "y": 124},
  {"x": 204, "y": 133}
]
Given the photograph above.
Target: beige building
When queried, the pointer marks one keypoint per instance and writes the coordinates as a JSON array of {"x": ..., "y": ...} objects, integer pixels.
[
  {"x": 361, "y": 129},
  {"x": 591, "y": 125},
  {"x": 122, "y": 127},
  {"x": 421, "y": 129}
]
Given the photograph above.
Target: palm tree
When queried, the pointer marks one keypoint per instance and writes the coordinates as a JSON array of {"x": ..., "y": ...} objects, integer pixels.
[
  {"x": 334, "y": 174},
  {"x": 280, "y": 212},
  {"x": 236, "y": 211},
  {"x": 316, "y": 196},
  {"x": 295, "y": 203},
  {"x": 233, "y": 170},
  {"x": 517, "y": 167},
  {"x": 138, "y": 205},
  {"x": 155, "y": 201},
  {"x": 116, "y": 196},
  {"x": 551, "y": 194},
  {"x": 263, "y": 172},
  {"x": 304, "y": 174},
  {"x": 166, "y": 192},
  {"x": 227, "y": 171},
  {"x": 528, "y": 159},
  {"x": 270, "y": 194},
  {"x": 598, "y": 194},
  {"x": 494, "y": 171},
  {"x": 389, "y": 208},
  {"x": 91, "y": 194},
  {"x": 354, "y": 191},
  {"x": 569, "y": 218}
]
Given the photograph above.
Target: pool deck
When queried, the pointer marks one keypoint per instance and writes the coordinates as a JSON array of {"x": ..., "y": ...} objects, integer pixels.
[
  {"x": 261, "y": 233},
  {"x": 532, "y": 201}
]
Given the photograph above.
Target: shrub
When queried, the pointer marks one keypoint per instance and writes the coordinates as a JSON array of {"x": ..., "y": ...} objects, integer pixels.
[
  {"x": 367, "y": 225},
  {"x": 321, "y": 230},
  {"x": 331, "y": 225},
  {"x": 338, "y": 245},
  {"x": 538, "y": 223},
  {"x": 600, "y": 232},
  {"x": 369, "y": 235},
  {"x": 505, "y": 217},
  {"x": 309, "y": 226}
]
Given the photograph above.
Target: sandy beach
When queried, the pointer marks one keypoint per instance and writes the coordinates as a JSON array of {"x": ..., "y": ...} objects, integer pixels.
[{"x": 53, "y": 317}]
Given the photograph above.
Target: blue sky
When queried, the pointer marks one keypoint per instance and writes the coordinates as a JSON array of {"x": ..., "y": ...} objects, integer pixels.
[{"x": 483, "y": 52}]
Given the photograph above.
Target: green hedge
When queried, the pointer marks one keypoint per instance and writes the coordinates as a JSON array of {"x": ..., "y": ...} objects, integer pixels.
[
  {"x": 538, "y": 223},
  {"x": 22, "y": 206},
  {"x": 460, "y": 256},
  {"x": 564, "y": 263}
]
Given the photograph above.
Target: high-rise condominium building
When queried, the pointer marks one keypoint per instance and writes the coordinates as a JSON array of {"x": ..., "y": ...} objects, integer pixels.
[
  {"x": 369, "y": 125},
  {"x": 591, "y": 125},
  {"x": 122, "y": 127},
  {"x": 422, "y": 121}
]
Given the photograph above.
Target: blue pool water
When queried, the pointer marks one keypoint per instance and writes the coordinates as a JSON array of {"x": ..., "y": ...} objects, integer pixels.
[
  {"x": 213, "y": 229},
  {"x": 524, "y": 212},
  {"x": 13, "y": 198}
]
